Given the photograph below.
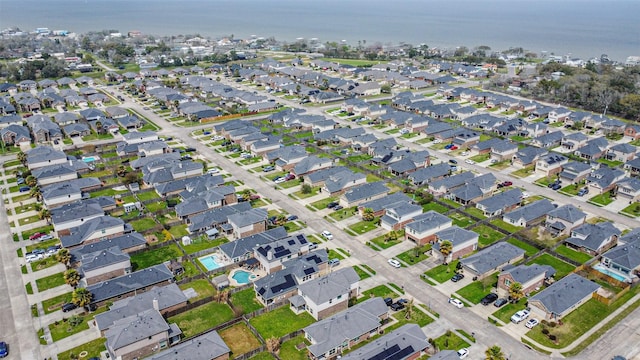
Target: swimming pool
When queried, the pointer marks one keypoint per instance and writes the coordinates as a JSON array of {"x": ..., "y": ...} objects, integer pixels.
[
  {"x": 243, "y": 277},
  {"x": 210, "y": 262},
  {"x": 89, "y": 159},
  {"x": 613, "y": 274}
]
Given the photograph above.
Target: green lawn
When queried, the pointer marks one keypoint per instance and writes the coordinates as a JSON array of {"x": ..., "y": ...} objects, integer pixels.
[
  {"x": 417, "y": 317},
  {"x": 202, "y": 243},
  {"x": 486, "y": 235},
  {"x": 62, "y": 329},
  {"x": 475, "y": 212},
  {"x": 460, "y": 220},
  {"x": 179, "y": 231},
  {"x": 529, "y": 250},
  {"x": 451, "y": 203},
  {"x": 289, "y": 351},
  {"x": 524, "y": 172},
  {"x": 385, "y": 242},
  {"x": 245, "y": 300},
  {"x": 435, "y": 207},
  {"x": 156, "y": 206},
  {"x": 632, "y": 210},
  {"x": 505, "y": 226},
  {"x": 143, "y": 224},
  {"x": 363, "y": 227},
  {"x": 409, "y": 256},
  {"x": 562, "y": 268},
  {"x": 475, "y": 291},
  {"x": 442, "y": 273},
  {"x": 573, "y": 254},
  {"x": 154, "y": 257},
  {"x": 602, "y": 199},
  {"x": 93, "y": 349},
  {"x": 505, "y": 312},
  {"x": 481, "y": 157},
  {"x": 44, "y": 263},
  {"x": 280, "y": 322},
  {"x": 343, "y": 214},
  {"x": 361, "y": 273},
  {"x": 334, "y": 254},
  {"x": 572, "y": 189},
  {"x": 201, "y": 286},
  {"x": 322, "y": 204},
  {"x": 50, "y": 282},
  {"x": 55, "y": 303},
  {"x": 203, "y": 317},
  {"x": 382, "y": 291},
  {"x": 450, "y": 341}
]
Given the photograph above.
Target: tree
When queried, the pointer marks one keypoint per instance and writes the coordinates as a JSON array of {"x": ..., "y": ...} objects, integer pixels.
[
  {"x": 99, "y": 128},
  {"x": 63, "y": 256},
  {"x": 246, "y": 195},
  {"x": 22, "y": 157},
  {"x": 121, "y": 171},
  {"x": 409, "y": 312},
  {"x": 515, "y": 292},
  {"x": 44, "y": 214},
  {"x": 306, "y": 189},
  {"x": 273, "y": 344},
  {"x": 445, "y": 249},
  {"x": 494, "y": 353},
  {"x": 31, "y": 181},
  {"x": 35, "y": 192},
  {"x": 280, "y": 219},
  {"x": 81, "y": 297},
  {"x": 367, "y": 214},
  {"x": 72, "y": 277},
  {"x": 130, "y": 178}
]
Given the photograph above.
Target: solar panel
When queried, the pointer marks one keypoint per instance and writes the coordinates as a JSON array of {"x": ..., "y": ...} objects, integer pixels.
[
  {"x": 282, "y": 253},
  {"x": 308, "y": 271},
  {"x": 279, "y": 248},
  {"x": 401, "y": 354},
  {"x": 385, "y": 353},
  {"x": 262, "y": 291},
  {"x": 291, "y": 242}
]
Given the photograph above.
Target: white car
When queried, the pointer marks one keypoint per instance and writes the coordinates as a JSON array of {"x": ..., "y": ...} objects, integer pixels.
[
  {"x": 213, "y": 171},
  {"x": 464, "y": 153},
  {"x": 519, "y": 316},
  {"x": 218, "y": 137},
  {"x": 327, "y": 235},
  {"x": 470, "y": 162},
  {"x": 462, "y": 353},
  {"x": 531, "y": 323},
  {"x": 280, "y": 180},
  {"x": 525, "y": 195},
  {"x": 395, "y": 263},
  {"x": 437, "y": 141},
  {"x": 457, "y": 303}
]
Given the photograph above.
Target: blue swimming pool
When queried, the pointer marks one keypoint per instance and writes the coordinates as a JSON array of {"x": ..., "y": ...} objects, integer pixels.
[
  {"x": 89, "y": 159},
  {"x": 606, "y": 271},
  {"x": 243, "y": 277},
  {"x": 210, "y": 262}
]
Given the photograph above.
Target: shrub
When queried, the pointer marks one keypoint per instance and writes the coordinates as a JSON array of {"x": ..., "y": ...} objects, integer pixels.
[
  {"x": 545, "y": 331},
  {"x": 553, "y": 337},
  {"x": 552, "y": 324}
]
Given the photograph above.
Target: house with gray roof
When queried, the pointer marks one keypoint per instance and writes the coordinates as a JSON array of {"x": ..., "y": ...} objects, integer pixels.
[
  {"x": 503, "y": 151},
  {"x": 500, "y": 203},
  {"x": 562, "y": 297},
  {"x": 216, "y": 218},
  {"x": 363, "y": 193},
  {"x": 549, "y": 140},
  {"x": 379, "y": 206},
  {"x": 624, "y": 259},
  {"x": 405, "y": 343},
  {"x": 491, "y": 259},
  {"x": 564, "y": 219},
  {"x": 311, "y": 164},
  {"x": 593, "y": 149},
  {"x": 398, "y": 215},
  {"x": 127, "y": 242},
  {"x": 423, "y": 228},
  {"x": 43, "y": 156},
  {"x": 208, "y": 346},
  {"x": 248, "y": 222},
  {"x": 338, "y": 181},
  {"x": 74, "y": 214},
  {"x": 199, "y": 202},
  {"x": 550, "y": 164},
  {"x": 175, "y": 187},
  {"x": 474, "y": 189},
  {"x": 333, "y": 335},
  {"x": 574, "y": 141},
  {"x": 604, "y": 179},
  {"x": 628, "y": 188},
  {"x": 51, "y": 174},
  {"x": 528, "y": 214},
  {"x": 116, "y": 112},
  {"x": 530, "y": 277},
  {"x": 93, "y": 230},
  {"x": 76, "y": 130},
  {"x": 273, "y": 254},
  {"x": 449, "y": 183},
  {"x": 594, "y": 239},
  {"x": 445, "y": 355},
  {"x": 164, "y": 298},
  {"x": 57, "y": 194},
  {"x": 633, "y": 166},
  {"x": 130, "y": 284},
  {"x": 15, "y": 135},
  {"x": 285, "y": 158},
  {"x": 463, "y": 242},
  {"x": 621, "y": 152},
  {"x": 242, "y": 249},
  {"x": 575, "y": 171},
  {"x": 139, "y": 335},
  {"x": 103, "y": 265},
  {"x": 329, "y": 294},
  {"x": 431, "y": 173},
  {"x": 137, "y": 137}
]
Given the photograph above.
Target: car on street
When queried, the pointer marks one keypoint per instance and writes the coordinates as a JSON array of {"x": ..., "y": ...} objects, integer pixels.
[
  {"x": 31, "y": 257},
  {"x": 525, "y": 195},
  {"x": 519, "y": 316},
  {"x": 396, "y": 306},
  {"x": 4, "y": 350},
  {"x": 470, "y": 162},
  {"x": 531, "y": 323},
  {"x": 395, "y": 263},
  {"x": 334, "y": 262},
  {"x": 507, "y": 183},
  {"x": 292, "y": 217},
  {"x": 500, "y": 302},
  {"x": 327, "y": 235},
  {"x": 457, "y": 277},
  {"x": 489, "y": 299},
  {"x": 556, "y": 187},
  {"x": 453, "y": 161},
  {"x": 583, "y": 191},
  {"x": 463, "y": 353},
  {"x": 388, "y": 301},
  {"x": 455, "y": 302}
]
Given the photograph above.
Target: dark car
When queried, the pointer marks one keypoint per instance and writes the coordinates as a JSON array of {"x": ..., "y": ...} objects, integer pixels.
[
  {"x": 331, "y": 205},
  {"x": 457, "y": 277},
  {"x": 556, "y": 187},
  {"x": 388, "y": 301},
  {"x": 25, "y": 188},
  {"x": 339, "y": 207},
  {"x": 490, "y": 298},
  {"x": 190, "y": 149},
  {"x": 4, "y": 350},
  {"x": 403, "y": 301},
  {"x": 500, "y": 302},
  {"x": 453, "y": 161},
  {"x": 396, "y": 306},
  {"x": 292, "y": 217},
  {"x": 507, "y": 183},
  {"x": 68, "y": 307}
]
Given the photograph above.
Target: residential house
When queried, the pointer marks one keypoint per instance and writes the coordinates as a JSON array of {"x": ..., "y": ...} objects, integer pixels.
[
  {"x": 604, "y": 179},
  {"x": 633, "y": 166},
  {"x": 43, "y": 156},
  {"x": 93, "y": 230},
  {"x": 74, "y": 214},
  {"x": 491, "y": 259},
  {"x": 474, "y": 189},
  {"x": 559, "y": 114},
  {"x": 574, "y": 141},
  {"x": 529, "y": 214},
  {"x": 428, "y": 174},
  {"x": 632, "y": 131},
  {"x": 503, "y": 151},
  {"x": 52, "y": 174},
  {"x": 208, "y": 346},
  {"x": 217, "y": 218},
  {"x": 242, "y": 249},
  {"x": 594, "y": 239},
  {"x": 628, "y": 188},
  {"x": 331, "y": 336},
  {"x": 530, "y": 277},
  {"x": 103, "y": 265},
  {"x": 593, "y": 149},
  {"x": 273, "y": 254},
  {"x": 248, "y": 222},
  {"x": 138, "y": 137},
  {"x": 423, "y": 229},
  {"x": 528, "y": 156},
  {"x": 500, "y": 203},
  {"x": 575, "y": 172},
  {"x": 310, "y": 164},
  {"x": 60, "y": 193},
  {"x": 551, "y": 164},
  {"x": 408, "y": 342},
  {"x": 16, "y": 135},
  {"x": 330, "y": 294},
  {"x": 380, "y": 206},
  {"x": 621, "y": 152},
  {"x": 44, "y": 129},
  {"x": 341, "y": 181},
  {"x": 287, "y": 157},
  {"x": 450, "y": 183},
  {"x": 396, "y": 217},
  {"x": 362, "y": 193},
  {"x": 464, "y": 242},
  {"x": 564, "y": 219},
  {"x": 127, "y": 242},
  {"x": 624, "y": 259},
  {"x": 562, "y": 297}
]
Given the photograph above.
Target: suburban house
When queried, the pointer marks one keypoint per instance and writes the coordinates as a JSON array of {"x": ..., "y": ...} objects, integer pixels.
[
  {"x": 127, "y": 243},
  {"x": 562, "y": 297},
  {"x": 527, "y": 156},
  {"x": 624, "y": 259},
  {"x": 550, "y": 164},
  {"x": 58, "y": 194},
  {"x": 93, "y": 230},
  {"x": 422, "y": 230},
  {"x": 529, "y": 214},
  {"x": 463, "y": 242},
  {"x": 594, "y": 239},
  {"x": 549, "y": 140},
  {"x": 593, "y": 149},
  {"x": 341, "y": 181},
  {"x": 248, "y": 222},
  {"x": 633, "y": 166},
  {"x": 103, "y": 265},
  {"x": 74, "y": 214},
  {"x": 500, "y": 203},
  {"x": 242, "y": 249},
  {"x": 503, "y": 151},
  {"x": 447, "y": 184},
  {"x": 428, "y": 174},
  {"x": 331, "y": 336},
  {"x": 44, "y": 156},
  {"x": 632, "y": 131},
  {"x": 362, "y": 193},
  {"x": 474, "y": 189},
  {"x": 628, "y": 188},
  {"x": 272, "y": 255},
  {"x": 396, "y": 217},
  {"x": 564, "y": 219},
  {"x": 621, "y": 152},
  {"x": 217, "y": 218},
  {"x": 327, "y": 295},
  {"x": 574, "y": 172},
  {"x": 15, "y": 135},
  {"x": 47, "y": 175},
  {"x": 138, "y": 137},
  {"x": 380, "y": 206},
  {"x": 408, "y": 342},
  {"x": 310, "y": 164},
  {"x": 491, "y": 259},
  {"x": 208, "y": 346},
  {"x": 604, "y": 179},
  {"x": 530, "y": 277}
]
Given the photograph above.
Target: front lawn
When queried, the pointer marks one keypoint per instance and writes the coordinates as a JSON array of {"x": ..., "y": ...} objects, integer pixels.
[
  {"x": 574, "y": 255},
  {"x": 475, "y": 291},
  {"x": 481, "y": 157},
  {"x": 67, "y": 327},
  {"x": 361, "y": 273},
  {"x": 602, "y": 199},
  {"x": 442, "y": 273},
  {"x": 415, "y": 255},
  {"x": 50, "y": 282},
  {"x": 322, "y": 204},
  {"x": 332, "y": 254},
  {"x": 55, "y": 303},
  {"x": 363, "y": 227},
  {"x": 388, "y": 240},
  {"x": 382, "y": 291},
  {"x": 157, "y": 256},
  {"x": 44, "y": 263},
  {"x": 239, "y": 339},
  {"x": 245, "y": 301},
  {"x": 450, "y": 341},
  {"x": 632, "y": 210},
  {"x": 280, "y": 322},
  {"x": 343, "y": 214},
  {"x": 562, "y": 268},
  {"x": 92, "y": 348},
  {"x": 417, "y": 316},
  {"x": 524, "y": 172},
  {"x": 203, "y": 317},
  {"x": 505, "y": 312},
  {"x": 487, "y": 235}
]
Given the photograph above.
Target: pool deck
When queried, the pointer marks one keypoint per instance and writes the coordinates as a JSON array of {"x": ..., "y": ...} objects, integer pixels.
[{"x": 258, "y": 274}]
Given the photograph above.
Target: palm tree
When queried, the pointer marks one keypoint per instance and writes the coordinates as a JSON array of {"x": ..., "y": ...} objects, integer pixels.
[
  {"x": 367, "y": 214},
  {"x": 63, "y": 256},
  {"x": 81, "y": 297},
  {"x": 281, "y": 219},
  {"x": 494, "y": 353},
  {"x": 99, "y": 127},
  {"x": 121, "y": 171},
  {"x": 22, "y": 157},
  {"x": 31, "y": 181},
  {"x": 72, "y": 277},
  {"x": 445, "y": 249},
  {"x": 44, "y": 214},
  {"x": 246, "y": 195},
  {"x": 409, "y": 313},
  {"x": 35, "y": 192},
  {"x": 515, "y": 292}
]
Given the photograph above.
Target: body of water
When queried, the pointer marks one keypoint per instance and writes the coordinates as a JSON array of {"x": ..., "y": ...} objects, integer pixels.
[{"x": 584, "y": 28}]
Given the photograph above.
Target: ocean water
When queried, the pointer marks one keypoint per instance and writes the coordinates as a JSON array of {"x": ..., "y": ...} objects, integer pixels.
[{"x": 583, "y": 28}]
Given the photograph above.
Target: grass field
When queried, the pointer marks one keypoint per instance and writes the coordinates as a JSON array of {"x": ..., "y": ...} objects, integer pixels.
[
  {"x": 573, "y": 254},
  {"x": 442, "y": 273},
  {"x": 203, "y": 317},
  {"x": 245, "y": 300},
  {"x": 239, "y": 339},
  {"x": 50, "y": 282},
  {"x": 280, "y": 322},
  {"x": 562, "y": 268},
  {"x": 155, "y": 257}
]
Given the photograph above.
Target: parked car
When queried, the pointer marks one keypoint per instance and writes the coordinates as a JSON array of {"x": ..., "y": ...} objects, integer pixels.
[
  {"x": 190, "y": 149},
  {"x": 218, "y": 137},
  {"x": 583, "y": 191},
  {"x": 507, "y": 183},
  {"x": 313, "y": 246},
  {"x": 334, "y": 262},
  {"x": 4, "y": 350},
  {"x": 327, "y": 235},
  {"x": 31, "y": 257},
  {"x": 403, "y": 301},
  {"x": 557, "y": 182},
  {"x": 470, "y": 162},
  {"x": 395, "y": 263},
  {"x": 290, "y": 177},
  {"x": 453, "y": 161},
  {"x": 332, "y": 204},
  {"x": 463, "y": 353},
  {"x": 20, "y": 181},
  {"x": 489, "y": 299},
  {"x": 500, "y": 302},
  {"x": 25, "y": 188},
  {"x": 396, "y": 306},
  {"x": 556, "y": 187},
  {"x": 388, "y": 301},
  {"x": 519, "y": 316},
  {"x": 36, "y": 236},
  {"x": 531, "y": 323},
  {"x": 213, "y": 171},
  {"x": 268, "y": 168},
  {"x": 279, "y": 180},
  {"x": 457, "y": 277},
  {"x": 68, "y": 307},
  {"x": 437, "y": 141},
  {"x": 338, "y": 207},
  {"x": 206, "y": 133},
  {"x": 448, "y": 146},
  {"x": 453, "y": 148},
  {"x": 457, "y": 303},
  {"x": 45, "y": 237},
  {"x": 292, "y": 217}
]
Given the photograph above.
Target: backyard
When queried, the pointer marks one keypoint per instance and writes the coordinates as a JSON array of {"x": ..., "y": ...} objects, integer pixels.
[
  {"x": 245, "y": 301},
  {"x": 280, "y": 322},
  {"x": 154, "y": 257},
  {"x": 203, "y": 317},
  {"x": 562, "y": 268},
  {"x": 486, "y": 235},
  {"x": 239, "y": 339}
]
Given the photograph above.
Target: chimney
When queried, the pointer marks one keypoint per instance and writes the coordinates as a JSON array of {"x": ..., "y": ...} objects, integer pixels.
[{"x": 155, "y": 304}]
